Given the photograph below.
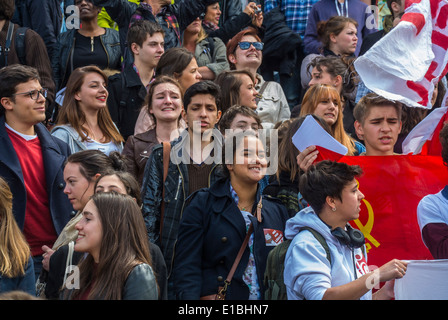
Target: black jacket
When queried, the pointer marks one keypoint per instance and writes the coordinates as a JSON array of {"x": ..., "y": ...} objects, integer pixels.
[
  {"x": 211, "y": 232},
  {"x": 282, "y": 45},
  {"x": 126, "y": 97}
]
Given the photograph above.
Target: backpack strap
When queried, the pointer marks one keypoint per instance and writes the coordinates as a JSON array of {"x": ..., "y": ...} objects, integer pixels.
[
  {"x": 321, "y": 240},
  {"x": 260, "y": 93},
  {"x": 166, "y": 163},
  {"x": 20, "y": 44},
  {"x": 8, "y": 43}
]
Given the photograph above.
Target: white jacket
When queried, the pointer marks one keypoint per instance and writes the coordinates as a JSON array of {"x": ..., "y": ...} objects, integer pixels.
[
  {"x": 308, "y": 273},
  {"x": 273, "y": 106}
]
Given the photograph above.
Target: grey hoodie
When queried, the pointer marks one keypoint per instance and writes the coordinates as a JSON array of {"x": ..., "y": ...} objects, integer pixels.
[{"x": 308, "y": 273}]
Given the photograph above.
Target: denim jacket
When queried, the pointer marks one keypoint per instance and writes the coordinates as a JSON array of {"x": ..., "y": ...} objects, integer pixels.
[
  {"x": 24, "y": 283},
  {"x": 61, "y": 62}
]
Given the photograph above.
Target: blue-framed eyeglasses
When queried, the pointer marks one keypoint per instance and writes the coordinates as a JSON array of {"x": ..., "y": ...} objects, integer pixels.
[{"x": 244, "y": 45}]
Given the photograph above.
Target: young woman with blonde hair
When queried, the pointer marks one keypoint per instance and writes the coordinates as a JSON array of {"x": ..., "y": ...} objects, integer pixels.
[{"x": 16, "y": 265}]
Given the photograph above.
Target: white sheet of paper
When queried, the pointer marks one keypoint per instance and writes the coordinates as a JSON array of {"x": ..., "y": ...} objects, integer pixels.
[
  {"x": 311, "y": 133},
  {"x": 424, "y": 280}
]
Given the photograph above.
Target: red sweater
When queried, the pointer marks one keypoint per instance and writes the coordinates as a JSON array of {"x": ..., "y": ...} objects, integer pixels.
[{"x": 38, "y": 228}]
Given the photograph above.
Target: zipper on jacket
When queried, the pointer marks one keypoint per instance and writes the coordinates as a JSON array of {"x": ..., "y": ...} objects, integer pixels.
[
  {"x": 178, "y": 187},
  {"x": 104, "y": 47},
  {"x": 175, "y": 242}
]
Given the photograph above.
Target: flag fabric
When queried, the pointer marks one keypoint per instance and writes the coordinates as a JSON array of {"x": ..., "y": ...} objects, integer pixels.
[
  {"x": 409, "y": 60},
  {"x": 424, "y": 137},
  {"x": 393, "y": 186}
]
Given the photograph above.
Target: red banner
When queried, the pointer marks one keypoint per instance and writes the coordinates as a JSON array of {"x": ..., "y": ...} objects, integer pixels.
[{"x": 393, "y": 186}]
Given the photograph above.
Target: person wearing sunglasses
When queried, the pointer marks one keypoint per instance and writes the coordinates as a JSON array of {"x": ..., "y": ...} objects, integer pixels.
[
  {"x": 32, "y": 160},
  {"x": 244, "y": 52}
]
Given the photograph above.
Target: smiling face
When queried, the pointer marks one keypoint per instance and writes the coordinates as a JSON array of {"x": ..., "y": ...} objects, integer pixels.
[
  {"x": 379, "y": 130},
  {"x": 93, "y": 93},
  {"x": 166, "y": 104},
  {"x": 247, "y": 93},
  {"x": 249, "y": 162},
  {"x": 22, "y": 112},
  {"x": 90, "y": 231},
  {"x": 250, "y": 58},
  {"x": 87, "y": 11},
  {"x": 213, "y": 13}
]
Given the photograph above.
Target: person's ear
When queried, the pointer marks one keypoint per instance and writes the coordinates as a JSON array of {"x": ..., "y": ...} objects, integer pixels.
[
  {"x": 7, "y": 103},
  {"x": 232, "y": 58},
  {"x": 331, "y": 203},
  {"x": 358, "y": 129}
]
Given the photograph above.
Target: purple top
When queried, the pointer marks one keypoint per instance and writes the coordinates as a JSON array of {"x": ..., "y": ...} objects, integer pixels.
[{"x": 325, "y": 9}]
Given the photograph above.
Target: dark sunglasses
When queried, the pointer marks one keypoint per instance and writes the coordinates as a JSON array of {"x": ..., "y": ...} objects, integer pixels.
[{"x": 244, "y": 45}]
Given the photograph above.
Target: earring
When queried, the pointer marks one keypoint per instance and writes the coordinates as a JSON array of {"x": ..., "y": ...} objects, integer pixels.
[{"x": 333, "y": 209}]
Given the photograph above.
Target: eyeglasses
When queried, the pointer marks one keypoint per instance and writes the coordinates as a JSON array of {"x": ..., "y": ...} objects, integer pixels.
[
  {"x": 244, "y": 45},
  {"x": 34, "y": 94}
]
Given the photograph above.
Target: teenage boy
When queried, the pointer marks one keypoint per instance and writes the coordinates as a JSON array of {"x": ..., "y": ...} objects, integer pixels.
[
  {"x": 378, "y": 123},
  {"x": 128, "y": 89},
  {"x": 31, "y": 160},
  {"x": 191, "y": 167}
]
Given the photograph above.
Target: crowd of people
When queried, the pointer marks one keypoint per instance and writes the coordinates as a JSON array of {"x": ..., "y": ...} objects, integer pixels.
[{"x": 138, "y": 148}]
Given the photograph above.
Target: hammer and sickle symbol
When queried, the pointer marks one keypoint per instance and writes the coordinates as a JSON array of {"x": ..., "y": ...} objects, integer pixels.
[{"x": 367, "y": 228}]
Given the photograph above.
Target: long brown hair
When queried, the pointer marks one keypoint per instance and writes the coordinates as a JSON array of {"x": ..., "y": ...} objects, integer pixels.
[
  {"x": 14, "y": 250},
  {"x": 72, "y": 114},
  {"x": 124, "y": 245},
  {"x": 313, "y": 96},
  {"x": 288, "y": 152},
  {"x": 230, "y": 82}
]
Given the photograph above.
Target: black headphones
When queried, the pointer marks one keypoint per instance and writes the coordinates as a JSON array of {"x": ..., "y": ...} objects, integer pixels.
[{"x": 351, "y": 237}]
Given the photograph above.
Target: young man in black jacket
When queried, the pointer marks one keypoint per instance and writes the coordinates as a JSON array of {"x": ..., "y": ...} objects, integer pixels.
[{"x": 128, "y": 89}]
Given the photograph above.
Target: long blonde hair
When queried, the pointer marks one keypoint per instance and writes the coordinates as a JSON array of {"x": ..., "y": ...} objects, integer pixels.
[
  {"x": 14, "y": 249},
  {"x": 314, "y": 95}
]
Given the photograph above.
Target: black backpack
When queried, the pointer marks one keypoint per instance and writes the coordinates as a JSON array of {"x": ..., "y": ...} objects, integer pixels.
[
  {"x": 273, "y": 276},
  {"x": 19, "y": 45}
]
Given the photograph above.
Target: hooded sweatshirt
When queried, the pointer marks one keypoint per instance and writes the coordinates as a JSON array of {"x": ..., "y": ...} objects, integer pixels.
[{"x": 308, "y": 273}]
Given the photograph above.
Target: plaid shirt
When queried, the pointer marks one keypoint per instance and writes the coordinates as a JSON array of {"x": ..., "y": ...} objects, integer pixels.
[{"x": 295, "y": 11}]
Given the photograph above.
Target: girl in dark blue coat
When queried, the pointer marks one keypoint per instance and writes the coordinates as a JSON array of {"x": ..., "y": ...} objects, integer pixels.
[{"x": 215, "y": 223}]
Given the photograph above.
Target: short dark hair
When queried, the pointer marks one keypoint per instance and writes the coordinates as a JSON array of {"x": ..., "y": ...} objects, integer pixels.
[
  {"x": 230, "y": 114},
  {"x": 203, "y": 87},
  {"x": 326, "y": 178},
  {"x": 139, "y": 31},
  {"x": 13, "y": 75}
]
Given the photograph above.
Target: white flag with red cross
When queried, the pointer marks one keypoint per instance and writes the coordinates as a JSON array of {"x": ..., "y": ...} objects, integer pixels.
[{"x": 409, "y": 60}]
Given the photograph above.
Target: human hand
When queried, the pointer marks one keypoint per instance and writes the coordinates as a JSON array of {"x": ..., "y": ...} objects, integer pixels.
[
  {"x": 394, "y": 269},
  {"x": 306, "y": 158},
  {"x": 251, "y": 9},
  {"x": 47, "y": 254}
]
